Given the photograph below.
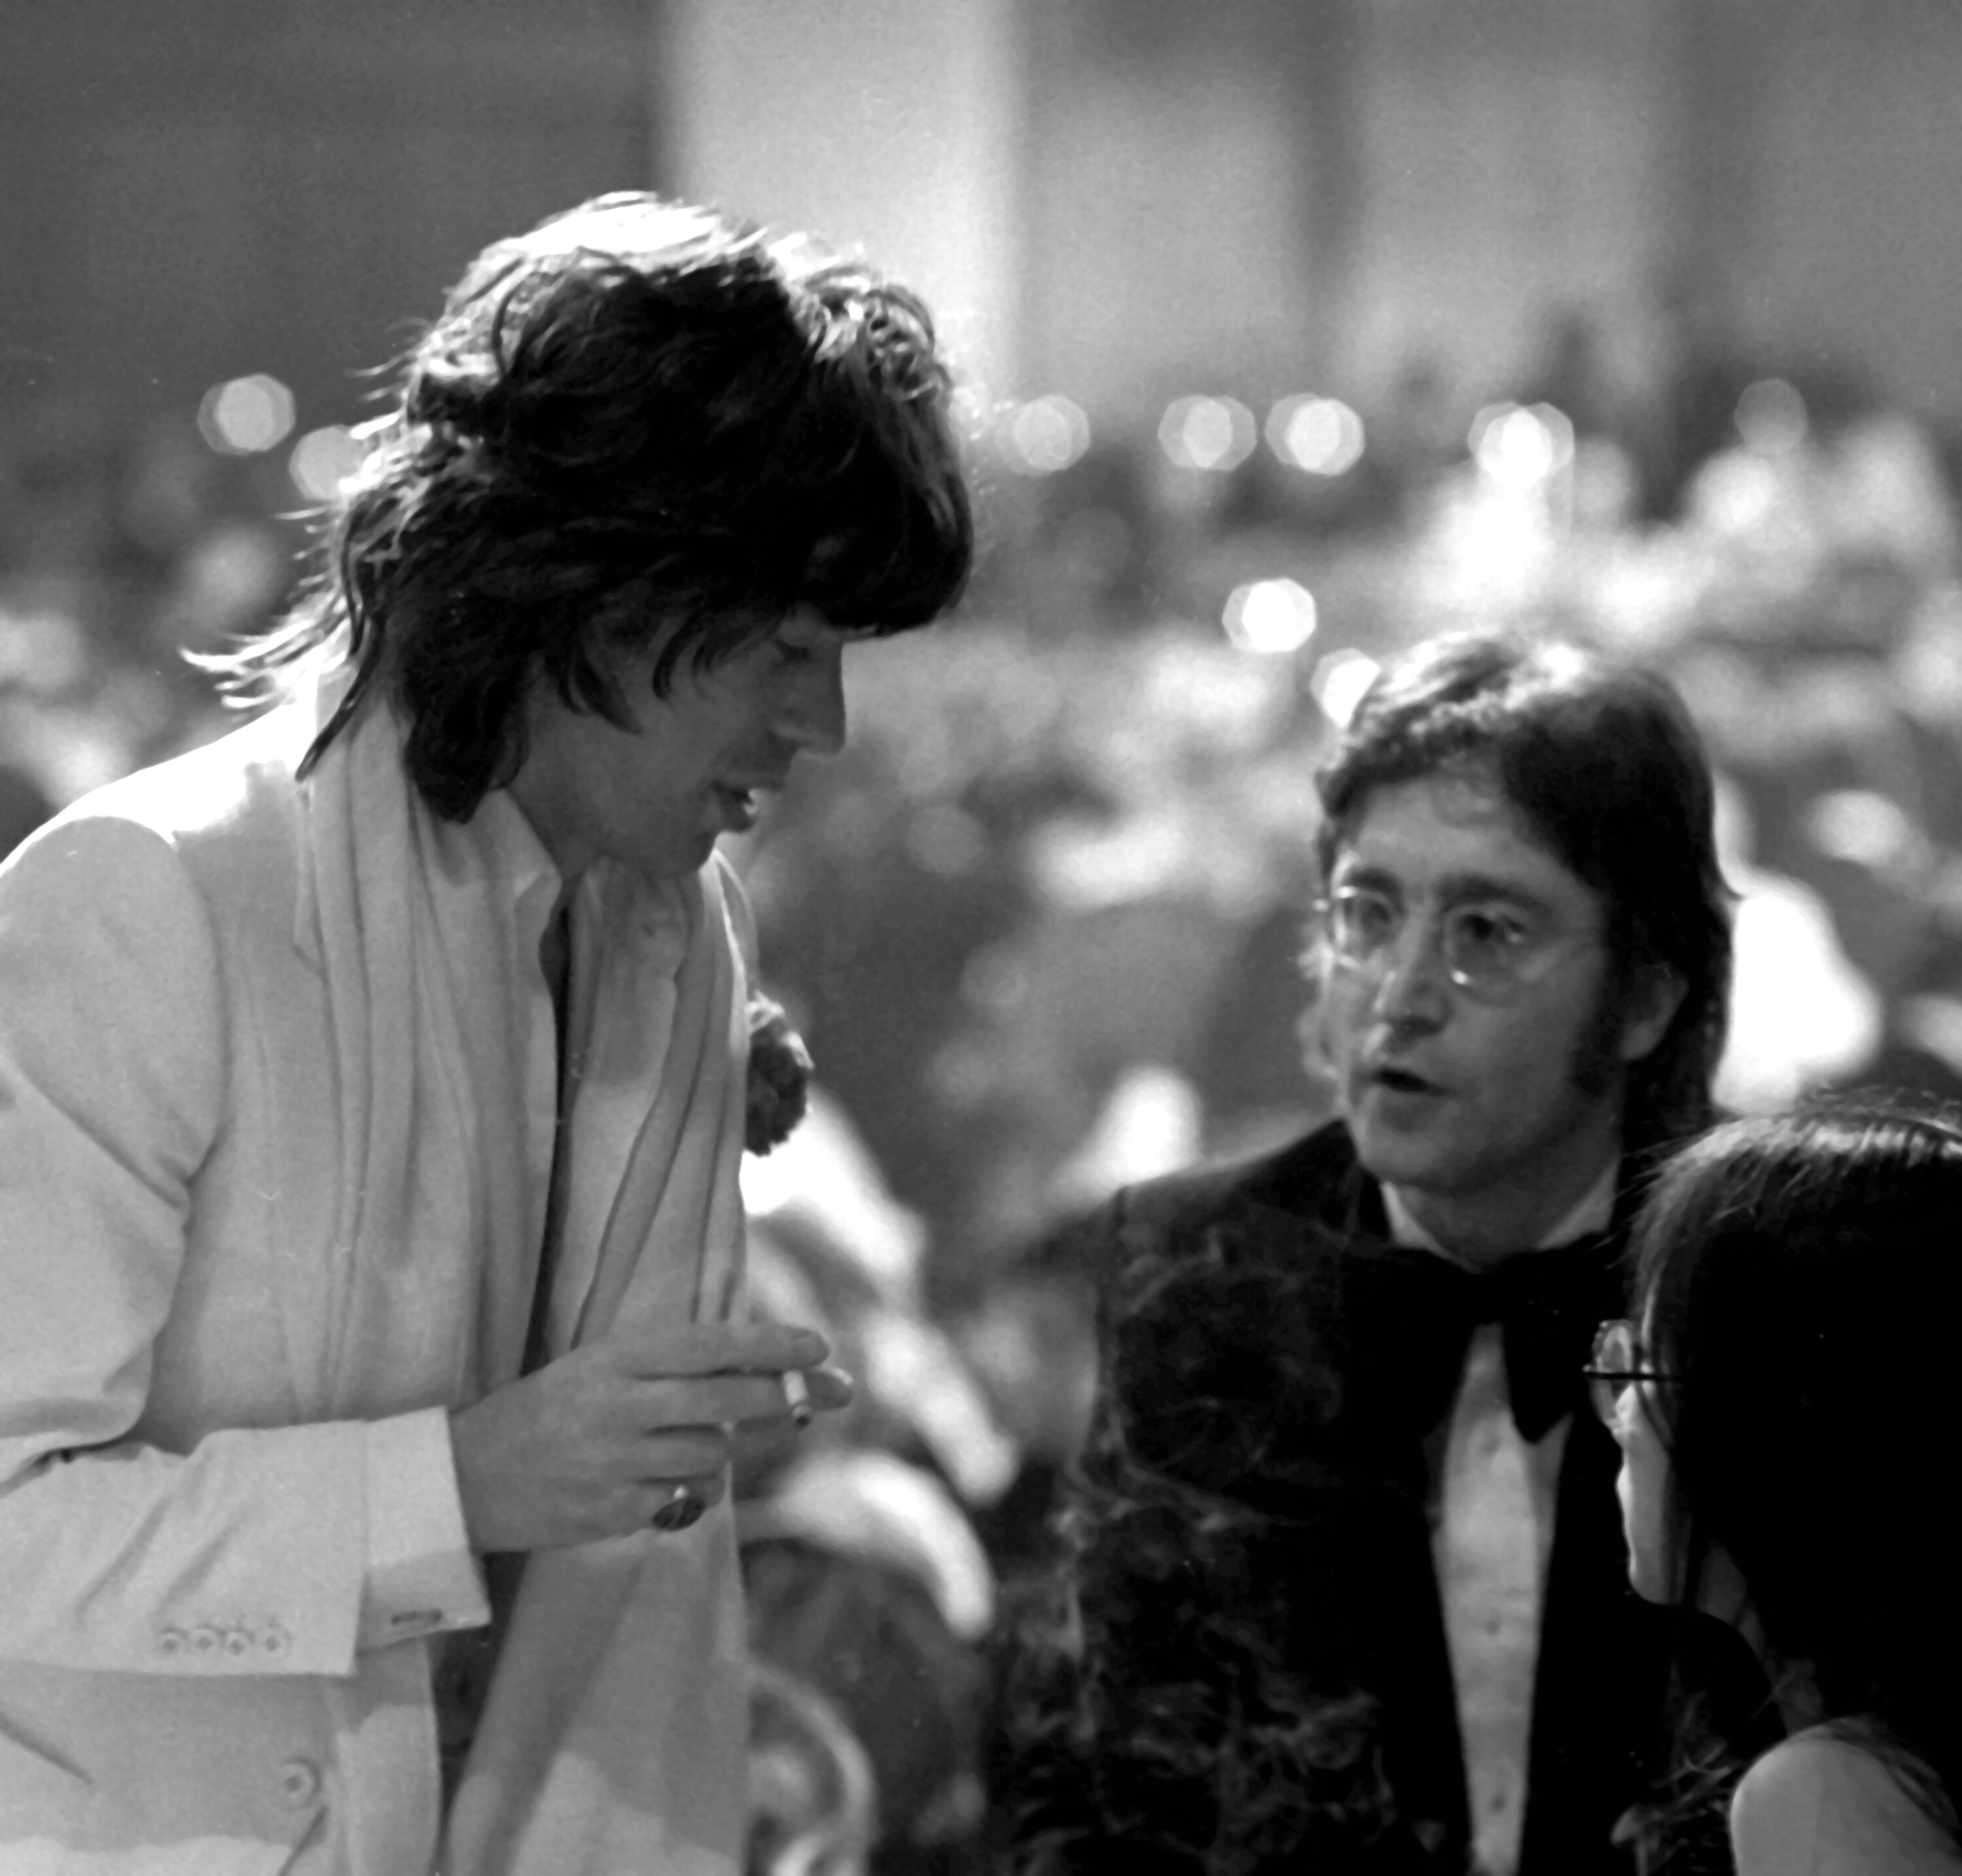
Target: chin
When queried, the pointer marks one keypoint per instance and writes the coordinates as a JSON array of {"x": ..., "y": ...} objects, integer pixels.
[
  {"x": 1649, "y": 1576},
  {"x": 1400, "y": 1159},
  {"x": 1647, "y": 1579},
  {"x": 677, "y": 860}
]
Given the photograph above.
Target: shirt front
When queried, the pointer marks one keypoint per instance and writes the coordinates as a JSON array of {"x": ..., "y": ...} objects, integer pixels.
[
  {"x": 524, "y": 889},
  {"x": 1493, "y": 1495}
]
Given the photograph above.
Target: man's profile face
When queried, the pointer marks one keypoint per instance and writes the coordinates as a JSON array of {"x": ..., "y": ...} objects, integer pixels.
[
  {"x": 654, "y": 798},
  {"x": 1474, "y": 1097}
]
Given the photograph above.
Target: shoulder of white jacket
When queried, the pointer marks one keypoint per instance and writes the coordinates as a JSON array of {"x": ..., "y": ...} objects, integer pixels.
[{"x": 229, "y": 808}]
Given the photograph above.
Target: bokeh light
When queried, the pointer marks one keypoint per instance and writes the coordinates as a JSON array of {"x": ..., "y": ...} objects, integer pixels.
[
  {"x": 1322, "y": 435},
  {"x": 1737, "y": 493},
  {"x": 1862, "y": 827},
  {"x": 1771, "y": 416},
  {"x": 1270, "y": 616},
  {"x": 1339, "y": 682},
  {"x": 322, "y": 460},
  {"x": 1044, "y": 435},
  {"x": 1519, "y": 446},
  {"x": 1215, "y": 433},
  {"x": 246, "y": 417}
]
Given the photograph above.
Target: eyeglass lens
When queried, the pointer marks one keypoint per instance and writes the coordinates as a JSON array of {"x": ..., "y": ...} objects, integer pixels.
[
  {"x": 1617, "y": 1356},
  {"x": 1482, "y": 950}
]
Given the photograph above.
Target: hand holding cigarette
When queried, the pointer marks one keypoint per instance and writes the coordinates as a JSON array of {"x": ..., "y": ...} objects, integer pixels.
[{"x": 818, "y": 1388}]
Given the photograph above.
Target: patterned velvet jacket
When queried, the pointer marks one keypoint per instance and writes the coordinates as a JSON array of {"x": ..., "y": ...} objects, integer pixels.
[{"x": 1244, "y": 1668}]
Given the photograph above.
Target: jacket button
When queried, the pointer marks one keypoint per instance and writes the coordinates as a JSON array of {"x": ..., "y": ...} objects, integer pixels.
[
  {"x": 237, "y": 1642},
  {"x": 206, "y": 1642},
  {"x": 299, "y": 1781},
  {"x": 273, "y": 1640},
  {"x": 171, "y": 1641}
]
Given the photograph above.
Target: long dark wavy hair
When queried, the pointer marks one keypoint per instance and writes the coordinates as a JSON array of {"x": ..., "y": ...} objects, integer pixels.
[
  {"x": 1603, "y": 762},
  {"x": 1800, "y": 1279},
  {"x": 640, "y": 417}
]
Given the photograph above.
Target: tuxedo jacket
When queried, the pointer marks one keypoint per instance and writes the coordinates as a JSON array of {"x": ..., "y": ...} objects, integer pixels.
[{"x": 1251, "y": 1669}]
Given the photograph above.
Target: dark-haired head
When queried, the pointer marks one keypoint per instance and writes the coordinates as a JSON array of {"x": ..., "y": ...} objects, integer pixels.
[
  {"x": 1799, "y": 1286},
  {"x": 1604, "y": 765},
  {"x": 640, "y": 419}
]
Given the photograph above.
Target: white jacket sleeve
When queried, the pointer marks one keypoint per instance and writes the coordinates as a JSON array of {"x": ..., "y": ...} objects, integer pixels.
[{"x": 251, "y": 1552}]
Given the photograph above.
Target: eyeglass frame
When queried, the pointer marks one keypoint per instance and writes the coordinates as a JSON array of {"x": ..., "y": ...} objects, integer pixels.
[
  {"x": 1607, "y": 1399},
  {"x": 1515, "y": 982}
]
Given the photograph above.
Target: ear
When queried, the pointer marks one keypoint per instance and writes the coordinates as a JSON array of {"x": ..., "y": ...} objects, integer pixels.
[
  {"x": 1310, "y": 1035},
  {"x": 1654, "y": 996}
]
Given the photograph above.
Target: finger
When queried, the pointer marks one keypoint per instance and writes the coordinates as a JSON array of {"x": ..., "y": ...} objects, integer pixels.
[
  {"x": 715, "y": 1400},
  {"x": 719, "y": 1348},
  {"x": 686, "y": 1452},
  {"x": 830, "y": 1388}
]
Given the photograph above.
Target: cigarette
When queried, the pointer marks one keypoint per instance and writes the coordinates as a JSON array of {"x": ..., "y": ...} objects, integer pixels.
[{"x": 797, "y": 1396}]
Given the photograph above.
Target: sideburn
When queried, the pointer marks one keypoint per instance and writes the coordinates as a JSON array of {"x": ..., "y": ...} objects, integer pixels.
[
  {"x": 1598, "y": 1064},
  {"x": 1597, "y": 1068}
]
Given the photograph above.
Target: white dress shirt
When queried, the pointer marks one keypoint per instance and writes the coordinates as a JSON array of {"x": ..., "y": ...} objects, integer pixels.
[{"x": 1492, "y": 1534}]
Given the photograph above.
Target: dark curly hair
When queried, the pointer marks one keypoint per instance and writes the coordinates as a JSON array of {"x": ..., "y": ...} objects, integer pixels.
[
  {"x": 641, "y": 417},
  {"x": 1603, "y": 762}
]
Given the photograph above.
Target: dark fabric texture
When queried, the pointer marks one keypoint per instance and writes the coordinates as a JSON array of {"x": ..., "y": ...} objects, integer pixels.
[{"x": 1243, "y": 1667}]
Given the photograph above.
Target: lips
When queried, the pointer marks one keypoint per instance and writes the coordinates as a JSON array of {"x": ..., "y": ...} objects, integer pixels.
[
  {"x": 1395, "y": 1080},
  {"x": 740, "y": 800},
  {"x": 738, "y": 805}
]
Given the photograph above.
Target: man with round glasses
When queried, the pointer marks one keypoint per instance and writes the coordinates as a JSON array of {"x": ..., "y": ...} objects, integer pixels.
[{"x": 1345, "y": 1588}]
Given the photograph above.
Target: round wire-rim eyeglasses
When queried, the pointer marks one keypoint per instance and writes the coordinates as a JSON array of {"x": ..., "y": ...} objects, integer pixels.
[{"x": 1487, "y": 949}]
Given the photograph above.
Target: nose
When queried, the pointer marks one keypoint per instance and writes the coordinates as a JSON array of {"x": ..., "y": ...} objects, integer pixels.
[
  {"x": 1624, "y": 1425},
  {"x": 1413, "y": 991},
  {"x": 809, "y": 712}
]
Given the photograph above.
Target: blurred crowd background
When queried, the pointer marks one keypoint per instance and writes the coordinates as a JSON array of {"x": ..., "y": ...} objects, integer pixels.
[{"x": 1289, "y": 334}]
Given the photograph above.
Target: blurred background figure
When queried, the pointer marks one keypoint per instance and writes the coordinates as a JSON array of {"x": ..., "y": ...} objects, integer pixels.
[
  {"x": 812, "y": 1804},
  {"x": 24, "y": 806},
  {"x": 1801, "y": 1014}
]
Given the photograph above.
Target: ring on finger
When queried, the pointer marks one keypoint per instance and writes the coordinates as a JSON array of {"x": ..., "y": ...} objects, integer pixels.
[{"x": 683, "y": 1507}]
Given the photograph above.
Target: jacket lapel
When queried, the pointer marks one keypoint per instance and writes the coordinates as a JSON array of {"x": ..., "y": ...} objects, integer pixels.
[{"x": 1598, "y": 1689}]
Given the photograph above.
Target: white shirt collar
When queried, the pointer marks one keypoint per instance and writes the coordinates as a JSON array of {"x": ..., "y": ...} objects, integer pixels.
[{"x": 513, "y": 855}]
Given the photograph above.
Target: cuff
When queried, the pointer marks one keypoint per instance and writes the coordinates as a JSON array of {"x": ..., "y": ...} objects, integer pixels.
[{"x": 421, "y": 1577}]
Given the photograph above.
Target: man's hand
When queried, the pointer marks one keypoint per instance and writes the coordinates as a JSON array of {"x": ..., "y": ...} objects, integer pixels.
[{"x": 593, "y": 1444}]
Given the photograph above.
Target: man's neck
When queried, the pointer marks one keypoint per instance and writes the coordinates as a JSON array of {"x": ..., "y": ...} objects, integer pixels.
[{"x": 1480, "y": 1231}]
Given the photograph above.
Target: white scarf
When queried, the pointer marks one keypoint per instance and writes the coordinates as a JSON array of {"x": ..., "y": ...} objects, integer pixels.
[{"x": 615, "y": 1735}]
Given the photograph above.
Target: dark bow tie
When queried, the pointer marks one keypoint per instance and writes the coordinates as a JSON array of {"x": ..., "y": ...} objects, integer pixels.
[{"x": 1546, "y": 1303}]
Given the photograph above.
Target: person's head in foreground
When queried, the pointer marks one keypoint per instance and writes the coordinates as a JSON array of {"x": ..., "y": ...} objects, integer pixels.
[
  {"x": 1523, "y": 944},
  {"x": 647, "y": 474},
  {"x": 1784, "y": 1397}
]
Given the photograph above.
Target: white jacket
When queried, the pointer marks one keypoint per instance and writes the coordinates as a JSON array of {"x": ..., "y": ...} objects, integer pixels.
[{"x": 228, "y": 1340}]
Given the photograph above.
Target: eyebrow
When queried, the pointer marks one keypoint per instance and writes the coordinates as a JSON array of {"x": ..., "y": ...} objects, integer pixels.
[{"x": 1454, "y": 888}]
